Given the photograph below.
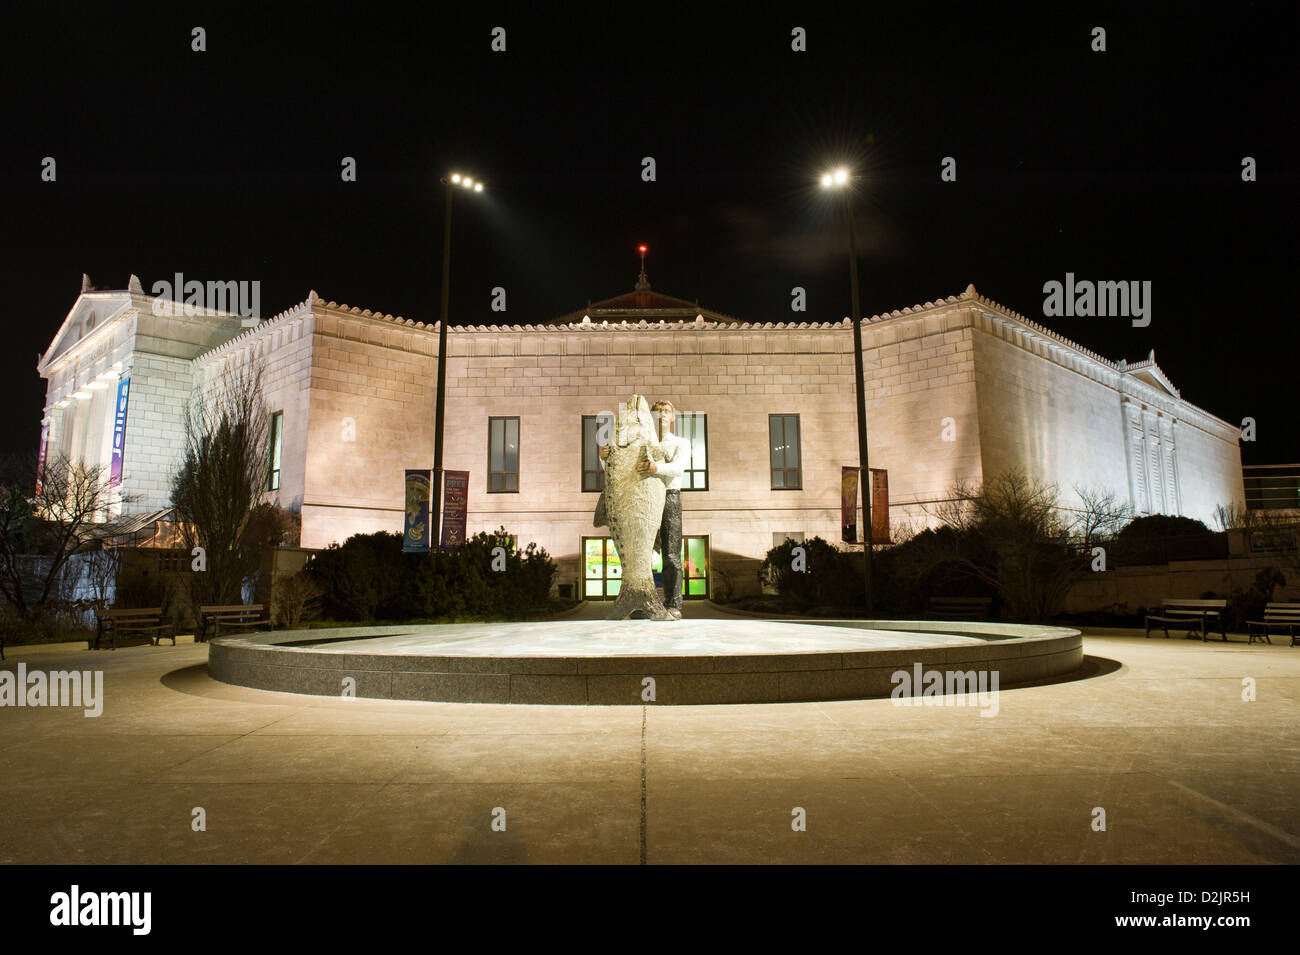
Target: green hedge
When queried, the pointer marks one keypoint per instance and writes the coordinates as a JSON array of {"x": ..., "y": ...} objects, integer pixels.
[{"x": 368, "y": 577}]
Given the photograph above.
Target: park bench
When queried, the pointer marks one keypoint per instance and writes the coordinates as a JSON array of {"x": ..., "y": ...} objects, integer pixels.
[
  {"x": 960, "y": 608},
  {"x": 1195, "y": 615},
  {"x": 1278, "y": 618},
  {"x": 148, "y": 620},
  {"x": 241, "y": 616}
]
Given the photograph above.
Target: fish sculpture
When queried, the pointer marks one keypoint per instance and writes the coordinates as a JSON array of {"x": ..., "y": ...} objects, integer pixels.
[{"x": 633, "y": 504}]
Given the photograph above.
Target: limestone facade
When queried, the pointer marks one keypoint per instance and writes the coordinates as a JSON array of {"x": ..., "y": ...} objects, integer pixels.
[
  {"x": 109, "y": 336},
  {"x": 957, "y": 389}
]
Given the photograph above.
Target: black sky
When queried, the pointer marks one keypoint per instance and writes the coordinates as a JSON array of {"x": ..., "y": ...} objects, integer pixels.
[{"x": 1123, "y": 165}]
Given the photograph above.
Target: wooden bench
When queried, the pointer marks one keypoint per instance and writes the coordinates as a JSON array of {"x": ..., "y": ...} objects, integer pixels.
[
  {"x": 960, "y": 608},
  {"x": 1192, "y": 614},
  {"x": 1280, "y": 618},
  {"x": 242, "y": 616},
  {"x": 148, "y": 620}
]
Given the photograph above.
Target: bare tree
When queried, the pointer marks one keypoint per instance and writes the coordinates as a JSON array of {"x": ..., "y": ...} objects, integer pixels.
[
  {"x": 44, "y": 523},
  {"x": 217, "y": 494},
  {"x": 102, "y": 568},
  {"x": 295, "y": 598},
  {"x": 1013, "y": 534},
  {"x": 1231, "y": 517},
  {"x": 1100, "y": 517}
]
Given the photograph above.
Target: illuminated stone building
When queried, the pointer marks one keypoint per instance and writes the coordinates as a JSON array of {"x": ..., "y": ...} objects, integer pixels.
[{"x": 957, "y": 389}]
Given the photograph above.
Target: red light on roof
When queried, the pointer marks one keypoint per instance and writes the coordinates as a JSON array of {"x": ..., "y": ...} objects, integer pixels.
[{"x": 642, "y": 248}]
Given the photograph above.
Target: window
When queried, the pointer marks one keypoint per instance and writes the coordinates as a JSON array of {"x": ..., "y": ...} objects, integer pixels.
[
  {"x": 784, "y": 432},
  {"x": 173, "y": 561},
  {"x": 503, "y": 455},
  {"x": 695, "y": 429},
  {"x": 780, "y": 537},
  {"x": 275, "y": 439},
  {"x": 593, "y": 478}
]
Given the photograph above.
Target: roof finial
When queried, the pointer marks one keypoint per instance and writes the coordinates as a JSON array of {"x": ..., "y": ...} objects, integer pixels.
[
  {"x": 85, "y": 282},
  {"x": 642, "y": 283}
]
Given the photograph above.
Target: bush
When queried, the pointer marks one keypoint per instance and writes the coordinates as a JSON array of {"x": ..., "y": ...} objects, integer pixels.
[
  {"x": 1248, "y": 604},
  {"x": 1161, "y": 526},
  {"x": 1160, "y": 538},
  {"x": 363, "y": 576},
  {"x": 294, "y": 599},
  {"x": 61, "y": 621},
  {"x": 829, "y": 575},
  {"x": 368, "y": 577},
  {"x": 911, "y": 573}
]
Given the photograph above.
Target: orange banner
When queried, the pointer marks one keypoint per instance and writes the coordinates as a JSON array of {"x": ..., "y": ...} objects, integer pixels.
[{"x": 879, "y": 506}]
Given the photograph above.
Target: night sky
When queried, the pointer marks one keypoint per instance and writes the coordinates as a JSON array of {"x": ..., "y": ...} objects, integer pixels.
[{"x": 1123, "y": 165}]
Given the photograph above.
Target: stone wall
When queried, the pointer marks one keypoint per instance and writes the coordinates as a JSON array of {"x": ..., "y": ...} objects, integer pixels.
[
  {"x": 110, "y": 335},
  {"x": 736, "y": 376},
  {"x": 1209, "y": 473},
  {"x": 379, "y": 373},
  {"x": 1050, "y": 411},
  {"x": 155, "y": 428},
  {"x": 370, "y": 410},
  {"x": 1050, "y": 420},
  {"x": 956, "y": 390},
  {"x": 1138, "y": 587},
  {"x": 923, "y": 422}
]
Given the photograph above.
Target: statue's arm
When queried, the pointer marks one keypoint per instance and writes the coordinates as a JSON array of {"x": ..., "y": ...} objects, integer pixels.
[{"x": 674, "y": 466}]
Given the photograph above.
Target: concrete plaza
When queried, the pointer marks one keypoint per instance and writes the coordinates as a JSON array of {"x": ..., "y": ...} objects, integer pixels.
[{"x": 1157, "y": 735}]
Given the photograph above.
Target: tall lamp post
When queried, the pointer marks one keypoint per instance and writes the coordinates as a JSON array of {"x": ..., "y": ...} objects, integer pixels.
[
  {"x": 450, "y": 184},
  {"x": 842, "y": 180}
]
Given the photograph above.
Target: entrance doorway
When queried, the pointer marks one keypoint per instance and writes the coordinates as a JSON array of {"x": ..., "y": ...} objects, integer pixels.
[{"x": 602, "y": 572}]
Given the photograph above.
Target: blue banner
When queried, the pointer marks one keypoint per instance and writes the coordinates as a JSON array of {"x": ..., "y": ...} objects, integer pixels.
[
  {"x": 415, "y": 532},
  {"x": 119, "y": 433}
]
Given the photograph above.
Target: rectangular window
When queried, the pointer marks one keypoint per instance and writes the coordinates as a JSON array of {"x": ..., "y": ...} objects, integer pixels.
[
  {"x": 503, "y": 455},
  {"x": 593, "y": 478},
  {"x": 275, "y": 438},
  {"x": 780, "y": 537},
  {"x": 783, "y": 430},
  {"x": 694, "y": 428}
]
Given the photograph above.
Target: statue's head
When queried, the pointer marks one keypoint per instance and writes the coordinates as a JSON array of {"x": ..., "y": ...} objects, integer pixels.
[
  {"x": 664, "y": 415},
  {"x": 636, "y": 423}
]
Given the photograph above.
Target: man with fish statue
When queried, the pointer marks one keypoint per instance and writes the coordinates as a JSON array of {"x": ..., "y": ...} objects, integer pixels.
[{"x": 642, "y": 505}]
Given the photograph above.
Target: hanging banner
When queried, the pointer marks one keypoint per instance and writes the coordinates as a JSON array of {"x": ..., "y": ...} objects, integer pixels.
[
  {"x": 119, "y": 433},
  {"x": 849, "y": 505},
  {"x": 415, "y": 532},
  {"x": 40, "y": 456},
  {"x": 455, "y": 506},
  {"x": 879, "y": 505}
]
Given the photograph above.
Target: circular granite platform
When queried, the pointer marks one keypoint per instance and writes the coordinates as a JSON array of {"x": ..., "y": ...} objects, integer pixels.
[{"x": 600, "y": 662}]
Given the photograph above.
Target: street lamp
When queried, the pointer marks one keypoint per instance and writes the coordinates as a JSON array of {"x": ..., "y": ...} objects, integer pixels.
[
  {"x": 841, "y": 179},
  {"x": 435, "y": 493}
]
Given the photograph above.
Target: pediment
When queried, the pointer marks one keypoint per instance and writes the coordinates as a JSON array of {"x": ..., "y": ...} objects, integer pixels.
[{"x": 91, "y": 312}]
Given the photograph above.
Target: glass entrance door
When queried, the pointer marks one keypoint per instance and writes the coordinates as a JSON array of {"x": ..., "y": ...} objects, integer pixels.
[
  {"x": 695, "y": 567},
  {"x": 601, "y": 571}
]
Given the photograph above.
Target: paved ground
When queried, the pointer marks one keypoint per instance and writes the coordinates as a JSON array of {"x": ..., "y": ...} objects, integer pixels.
[{"x": 1159, "y": 737}]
